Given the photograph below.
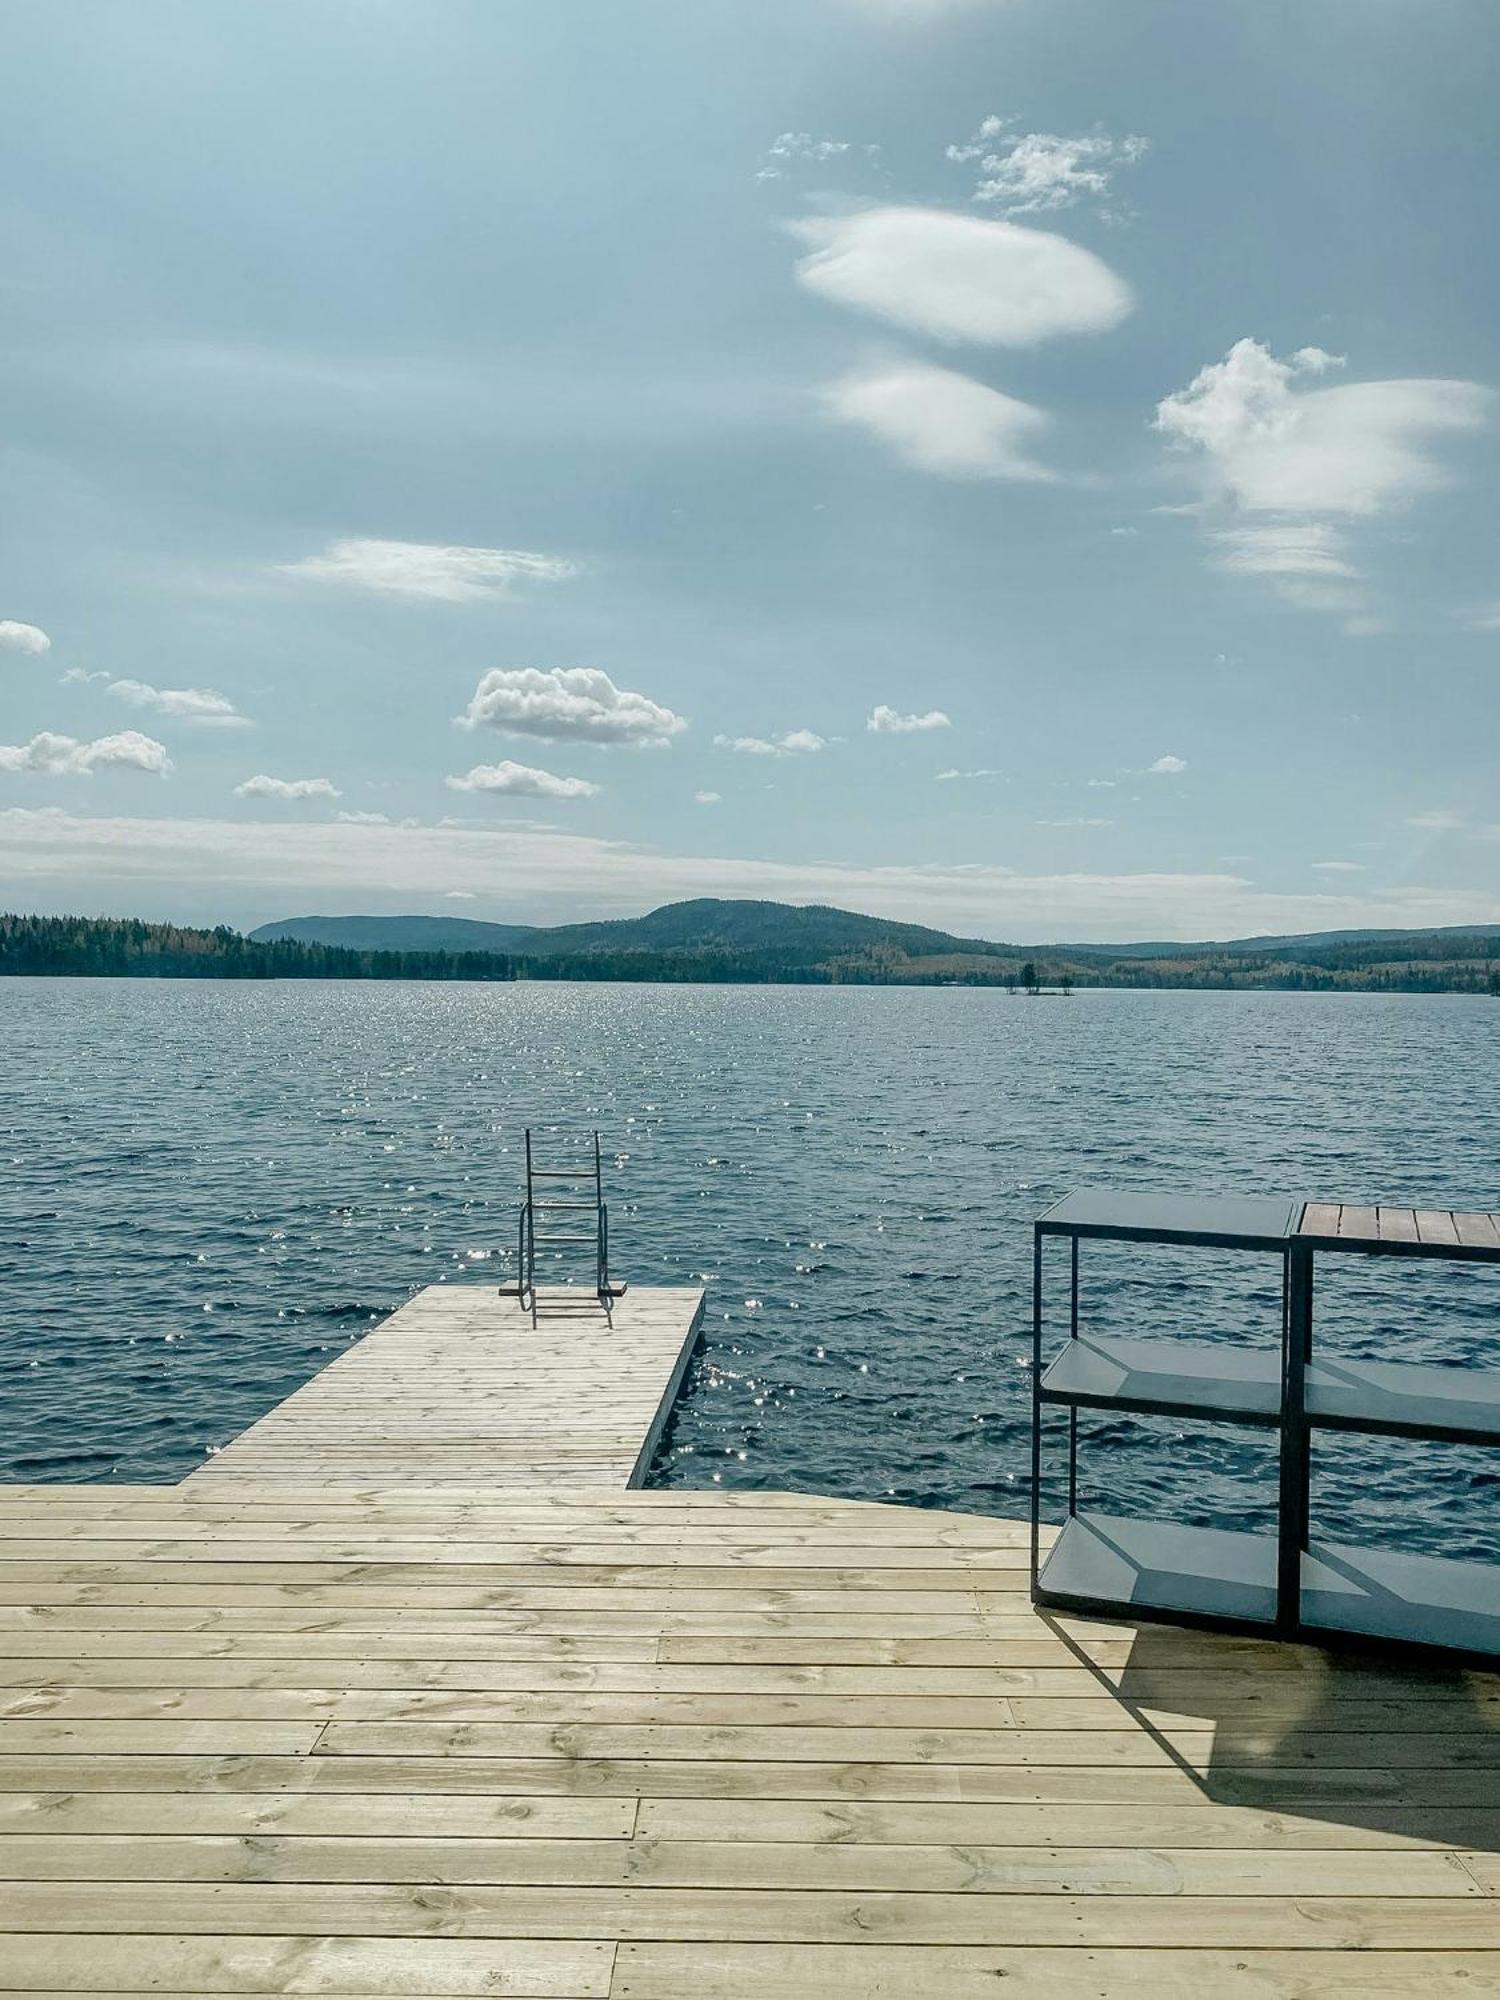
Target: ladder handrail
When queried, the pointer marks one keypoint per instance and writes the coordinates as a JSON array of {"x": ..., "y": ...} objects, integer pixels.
[{"x": 526, "y": 1237}]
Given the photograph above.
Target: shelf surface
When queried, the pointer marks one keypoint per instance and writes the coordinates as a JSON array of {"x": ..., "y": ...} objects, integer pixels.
[
  {"x": 1172, "y": 1377},
  {"x": 1469, "y": 1235},
  {"x": 1421, "y": 1600},
  {"x": 1405, "y": 1398},
  {"x": 1226, "y": 1221},
  {"x": 1161, "y": 1566}
]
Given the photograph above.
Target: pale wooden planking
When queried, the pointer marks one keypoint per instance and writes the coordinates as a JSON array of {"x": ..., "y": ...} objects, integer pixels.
[
  {"x": 392, "y": 1737},
  {"x": 388, "y": 1909},
  {"x": 875, "y": 1971},
  {"x": 459, "y": 1386},
  {"x": 735, "y": 1865},
  {"x": 123, "y": 1961}
]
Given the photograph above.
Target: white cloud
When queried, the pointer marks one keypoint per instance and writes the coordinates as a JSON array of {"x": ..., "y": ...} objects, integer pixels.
[
  {"x": 187, "y": 704},
  {"x": 52, "y": 756},
  {"x": 1339, "y": 867},
  {"x": 1031, "y": 173},
  {"x": 706, "y": 798},
  {"x": 569, "y": 705},
  {"x": 1437, "y": 822},
  {"x": 1076, "y": 821},
  {"x": 948, "y": 777},
  {"x": 427, "y": 570},
  {"x": 959, "y": 277},
  {"x": 797, "y": 149},
  {"x": 262, "y": 787},
  {"x": 1486, "y": 619},
  {"x": 1310, "y": 462},
  {"x": 18, "y": 638},
  {"x": 128, "y": 861},
  {"x": 362, "y": 819},
  {"x": 1167, "y": 767},
  {"x": 885, "y": 721},
  {"x": 794, "y": 742},
  {"x": 940, "y": 421},
  {"x": 522, "y": 780},
  {"x": 459, "y": 895},
  {"x": 1102, "y": 784}
]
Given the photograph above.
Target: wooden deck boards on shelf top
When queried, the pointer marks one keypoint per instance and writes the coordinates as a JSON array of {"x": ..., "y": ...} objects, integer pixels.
[
  {"x": 272, "y": 1734},
  {"x": 458, "y": 1386},
  {"x": 1348, "y": 1226}
]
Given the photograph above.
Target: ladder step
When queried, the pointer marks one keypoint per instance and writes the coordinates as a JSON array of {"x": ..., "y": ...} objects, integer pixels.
[
  {"x": 590, "y": 1238},
  {"x": 556, "y": 1207},
  {"x": 564, "y": 1174}
]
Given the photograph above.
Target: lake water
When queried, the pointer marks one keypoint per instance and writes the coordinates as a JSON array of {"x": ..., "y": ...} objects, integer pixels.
[{"x": 209, "y": 1189}]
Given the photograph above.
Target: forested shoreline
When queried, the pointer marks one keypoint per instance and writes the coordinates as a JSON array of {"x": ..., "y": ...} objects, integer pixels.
[{"x": 116, "y": 947}]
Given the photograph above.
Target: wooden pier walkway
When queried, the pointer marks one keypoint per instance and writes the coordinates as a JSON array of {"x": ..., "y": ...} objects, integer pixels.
[
  {"x": 459, "y": 1386},
  {"x": 353, "y": 1712}
]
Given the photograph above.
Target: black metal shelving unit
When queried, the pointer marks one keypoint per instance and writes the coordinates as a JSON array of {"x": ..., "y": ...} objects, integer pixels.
[{"x": 1287, "y": 1582}]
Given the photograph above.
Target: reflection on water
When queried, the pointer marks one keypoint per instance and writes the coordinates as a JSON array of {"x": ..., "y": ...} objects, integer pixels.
[{"x": 210, "y": 1188}]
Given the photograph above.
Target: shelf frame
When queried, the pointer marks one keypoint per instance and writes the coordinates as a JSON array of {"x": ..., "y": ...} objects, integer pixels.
[{"x": 1296, "y": 1232}]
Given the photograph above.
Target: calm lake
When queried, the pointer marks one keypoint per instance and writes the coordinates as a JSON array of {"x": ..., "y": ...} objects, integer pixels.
[{"x": 208, "y": 1189}]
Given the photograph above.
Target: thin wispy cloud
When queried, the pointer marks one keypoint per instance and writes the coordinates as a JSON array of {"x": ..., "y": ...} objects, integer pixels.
[
  {"x": 1037, "y": 173},
  {"x": 791, "y": 150},
  {"x": 941, "y": 422},
  {"x": 959, "y": 278},
  {"x": 261, "y": 786},
  {"x": 569, "y": 705},
  {"x": 885, "y": 721},
  {"x": 796, "y": 742},
  {"x": 522, "y": 781},
  {"x": 16, "y": 637},
  {"x": 542, "y": 868},
  {"x": 49, "y": 755},
  {"x": 427, "y": 571},
  {"x": 950, "y": 777},
  {"x": 200, "y": 705},
  {"x": 1293, "y": 470}
]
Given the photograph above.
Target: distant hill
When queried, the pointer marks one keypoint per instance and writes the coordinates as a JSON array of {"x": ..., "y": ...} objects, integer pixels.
[
  {"x": 750, "y": 942},
  {"x": 396, "y": 933}
]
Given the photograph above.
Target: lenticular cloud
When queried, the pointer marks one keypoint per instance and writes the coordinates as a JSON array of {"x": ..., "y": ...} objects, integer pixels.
[{"x": 960, "y": 277}]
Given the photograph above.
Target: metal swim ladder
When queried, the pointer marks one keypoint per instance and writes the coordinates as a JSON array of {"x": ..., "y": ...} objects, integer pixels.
[{"x": 584, "y": 1222}]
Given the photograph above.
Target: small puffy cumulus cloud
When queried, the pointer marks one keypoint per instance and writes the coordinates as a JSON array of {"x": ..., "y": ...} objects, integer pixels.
[
  {"x": 458, "y": 895},
  {"x": 939, "y": 421},
  {"x": 569, "y": 705},
  {"x": 1293, "y": 467},
  {"x": 52, "y": 756},
  {"x": 707, "y": 798},
  {"x": 522, "y": 781},
  {"x": 959, "y": 278},
  {"x": 1167, "y": 767},
  {"x": 796, "y": 742},
  {"x": 16, "y": 637},
  {"x": 200, "y": 705},
  {"x": 362, "y": 819},
  {"x": 263, "y": 787},
  {"x": 1032, "y": 173},
  {"x": 885, "y": 721},
  {"x": 427, "y": 571}
]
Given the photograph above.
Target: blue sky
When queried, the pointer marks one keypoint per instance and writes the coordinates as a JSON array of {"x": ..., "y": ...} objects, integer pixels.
[{"x": 1027, "y": 465}]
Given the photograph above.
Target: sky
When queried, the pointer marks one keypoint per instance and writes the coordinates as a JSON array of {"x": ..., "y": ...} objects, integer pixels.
[{"x": 1027, "y": 466}]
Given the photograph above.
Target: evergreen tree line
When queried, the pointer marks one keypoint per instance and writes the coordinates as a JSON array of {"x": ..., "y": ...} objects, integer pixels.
[{"x": 128, "y": 947}]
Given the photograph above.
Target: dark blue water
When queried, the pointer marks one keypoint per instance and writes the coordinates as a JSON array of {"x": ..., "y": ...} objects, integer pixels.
[{"x": 209, "y": 1189}]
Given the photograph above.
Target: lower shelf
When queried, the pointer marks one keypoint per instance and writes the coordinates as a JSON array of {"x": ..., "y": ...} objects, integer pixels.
[
  {"x": 1415, "y": 1600},
  {"x": 1103, "y": 1559},
  {"x": 1105, "y": 1562}
]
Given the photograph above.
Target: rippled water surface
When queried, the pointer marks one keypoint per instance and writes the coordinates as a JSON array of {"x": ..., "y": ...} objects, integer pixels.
[{"x": 209, "y": 1189}]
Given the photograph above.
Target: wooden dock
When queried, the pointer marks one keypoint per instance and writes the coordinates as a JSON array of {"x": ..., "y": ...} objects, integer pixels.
[
  {"x": 460, "y": 1386},
  {"x": 390, "y": 1701}
]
